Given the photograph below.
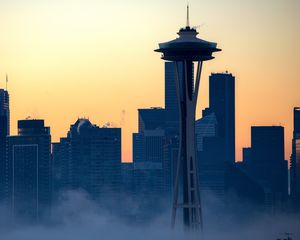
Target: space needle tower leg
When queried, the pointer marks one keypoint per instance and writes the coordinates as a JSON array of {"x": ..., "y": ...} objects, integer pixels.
[{"x": 187, "y": 171}]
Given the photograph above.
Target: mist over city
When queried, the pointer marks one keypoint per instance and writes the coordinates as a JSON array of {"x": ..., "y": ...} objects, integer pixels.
[{"x": 138, "y": 120}]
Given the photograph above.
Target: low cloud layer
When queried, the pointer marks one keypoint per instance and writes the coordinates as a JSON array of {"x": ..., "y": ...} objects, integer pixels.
[{"x": 76, "y": 217}]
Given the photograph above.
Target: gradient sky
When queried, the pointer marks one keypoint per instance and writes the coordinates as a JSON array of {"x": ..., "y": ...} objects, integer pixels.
[{"x": 86, "y": 58}]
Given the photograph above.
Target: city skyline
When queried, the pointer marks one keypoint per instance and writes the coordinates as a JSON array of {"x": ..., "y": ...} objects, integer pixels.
[{"x": 58, "y": 49}]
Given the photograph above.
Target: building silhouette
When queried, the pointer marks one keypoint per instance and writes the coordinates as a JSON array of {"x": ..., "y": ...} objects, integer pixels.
[
  {"x": 61, "y": 167},
  {"x": 149, "y": 169},
  {"x": 266, "y": 165},
  {"x": 127, "y": 205},
  {"x": 222, "y": 104},
  {"x": 205, "y": 127},
  {"x": 29, "y": 171},
  {"x": 216, "y": 138},
  {"x": 89, "y": 159},
  {"x": 151, "y": 119},
  {"x": 171, "y": 101},
  {"x": 149, "y": 190},
  {"x": 295, "y": 162},
  {"x": 4, "y": 132},
  {"x": 148, "y": 146}
]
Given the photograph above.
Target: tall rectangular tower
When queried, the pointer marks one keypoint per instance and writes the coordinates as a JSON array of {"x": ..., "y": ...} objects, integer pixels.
[
  {"x": 29, "y": 170},
  {"x": 295, "y": 161},
  {"x": 222, "y": 103},
  {"x": 4, "y": 131},
  {"x": 171, "y": 102},
  {"x": 267, "y": 165},
  {"x": 267, "y": 144}
]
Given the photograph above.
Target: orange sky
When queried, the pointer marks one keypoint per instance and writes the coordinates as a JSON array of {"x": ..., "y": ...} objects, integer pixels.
[{"x": 74, "y": 58}]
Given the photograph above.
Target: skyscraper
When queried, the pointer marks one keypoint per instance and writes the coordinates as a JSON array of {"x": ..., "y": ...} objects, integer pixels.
[
  {"x": 4, "y": 131},
  {"x": 151, "y": 119},
  {"x": 150, "y": 170},
  {"x": 61, "y": 167},
  {"x": 216, "y": 138},
  {"x": 90, "y": 159},
  {"x": 127, "y": 194},
  {"x": 295, "y": 161},
  {"x": 205, "y": 127},
  {"x": 267, "y": 165},
  {"x": 148, "y": 146},
  {"x": 171, "y": 102},
  {"x": 149, "y": 190},
  {"x": 29, "y": 170},
  {"x": 222, "y": 103}
]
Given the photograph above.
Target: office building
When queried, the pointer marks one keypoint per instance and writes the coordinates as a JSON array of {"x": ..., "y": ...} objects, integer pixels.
[
  {"x": 295, "y": 162},
  {"x": 215, "y": 133},
  {"x": 89, "y": 159},
  {"x": 205, "y": 127},
  {"x": 266, "y": 165},
  {"x": 151, "y": 119},
  {"x": 149, "y": 191},
  {"x": 222, "y": 104},
  {"x": 61, "y": 168},
  {"x": 29, "y": 171},
  {"x": 4, "y": 131},
  {"x": 148, "y": 146}
]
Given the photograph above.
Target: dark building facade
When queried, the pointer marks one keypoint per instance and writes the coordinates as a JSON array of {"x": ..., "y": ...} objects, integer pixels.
[
  {"x": 89, "y": 159},
  {"x": 266, "y": 165},
  {"x": 61, "y": 167},
  {"x": 29, "y": 171},
  {"x": 215, "y": 133},
  {"x": 149, "y": 181},
  {"x": 4, "y": 132},
  {"x": 148, "y": 146},
  {"x": 171, "y": 103},
  {"x": 149, "y": 190},
  {"x": 151, "y": 164},
  {"x": 222, "y": 104},
  {"x": 295, "y": 162},
  {"x": 151, "y": 119}
]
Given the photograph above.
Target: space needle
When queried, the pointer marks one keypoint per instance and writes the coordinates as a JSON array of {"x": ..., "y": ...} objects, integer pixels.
[{"x": 188, "y": 50}]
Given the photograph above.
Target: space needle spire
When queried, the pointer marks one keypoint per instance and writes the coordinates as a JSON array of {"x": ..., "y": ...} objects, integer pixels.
[
  {"x": 187, "y": 51},
  {"x": 187, "y": 15}
]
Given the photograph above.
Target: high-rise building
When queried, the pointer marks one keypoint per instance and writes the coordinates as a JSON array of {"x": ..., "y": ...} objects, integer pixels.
[
  {"x": 127, "y": 194},
  {"x": 29, "y": 170},
  {"x": 171, "y": 102},
  {"x": 296, "y": 120},
  {"x": 61, "y": 167},
  {"x": 4, "y": 131},
  {"x": 266, "y": 165},
  {"x": 267, "y": 144},
  {"x": 295, "y": 161},
  {"x": 222, "y": 103},
  {"x": 215, "y": 133},
  {"x": 205, "y": 127},
  {"x": 151, "y": 170},
  {"x": 90, "y": 159},
  {"x": 151, "y": 119},
  {"x": 216, "y": 137},
  {"x": 149, "y": 190},
  {"x": 148, "y": 146}
]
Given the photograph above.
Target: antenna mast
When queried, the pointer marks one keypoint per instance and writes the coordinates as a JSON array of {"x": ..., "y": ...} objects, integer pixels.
[
  {"x": 6, "y": 81},
  {"x": 188, "y": 16}
]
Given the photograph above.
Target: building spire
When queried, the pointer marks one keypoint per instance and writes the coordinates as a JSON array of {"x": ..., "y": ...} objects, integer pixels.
[
  {"x": 188, "y": 15},
  {"x": 6, "y": 81}
]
